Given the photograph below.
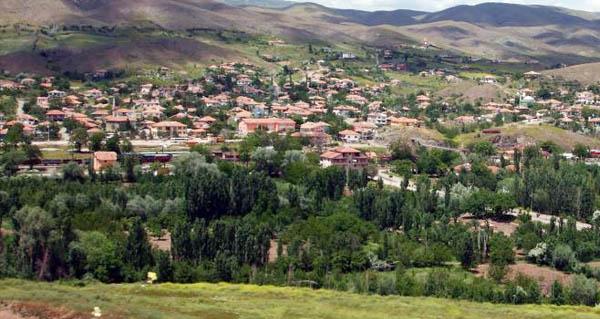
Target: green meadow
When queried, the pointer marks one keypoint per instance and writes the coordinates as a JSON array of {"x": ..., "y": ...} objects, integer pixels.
[{"x": 226, "y": 301}]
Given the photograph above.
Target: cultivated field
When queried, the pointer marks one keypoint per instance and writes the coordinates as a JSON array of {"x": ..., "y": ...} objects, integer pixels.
[{"x": 224, "y": 301}]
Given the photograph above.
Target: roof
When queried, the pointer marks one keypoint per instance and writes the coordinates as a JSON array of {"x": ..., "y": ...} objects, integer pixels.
[
  {"x": 348, "y": 132},
  {"x": 267, "y": 121},
  {"x": 331, "y": 155},
  {"x": 169, "y": 124},
  {"x": 105, "y": 156},
  {"x": 55, "y": 112},
  {"x": 207, "y": 119},
  {"x": 119, "y": 119},
  {"x": 343, "y": 149}
]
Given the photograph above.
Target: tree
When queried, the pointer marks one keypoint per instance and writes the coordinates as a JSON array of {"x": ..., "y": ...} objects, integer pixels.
[
  {"x": 485, "y": 148},
  {"x": 581, "y": 151},
  {"x": 98, "y": 255},
  {"x": 501, "y": 255},
  {"x": 37, "y": 235},
  {"x": 138, "y": 252},
  {"x": 266, "y": 160},
  {"x": 563, "y": 257},
  {"x": 14, "y": 136},
  {"x": 32, "y": 154},
  {"x": 73, "y": 172},
  {"x": 557, "y": 294},
  {"x": 126, "y": 146},
  {"x": 79, "y": 138},
  {"x": 401, "y": 151},
  {"x": 583, "y": 291},
  {"x": 95, "y": 142},
  {"x": 5, "y": 205},
  {"x": 10, "y": 161},
  {"x": 164, "y": 267},
  {"x": 501, "y": 250},
  {"x": 113, "y": 144}
]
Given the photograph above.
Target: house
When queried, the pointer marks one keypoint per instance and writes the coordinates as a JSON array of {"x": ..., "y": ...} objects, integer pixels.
[
  {"x": 365, "y": 129},
  {"x": 43, "y": 102},
  {"x": 488, "y": 79},
  {"x": 585, "y": 97},
  {"x": 405, "y": 121},
  {"x": 55, "y": 94},
  {"x": 349, "y": 136},
  {"x": 465, "y": 119},
  {"x": 423, "y": 101},
  {"x": 55, "y": 115},
  {"x": 379, "y": 119},
  {"x": 226, "y": 156},
  {"x": 117, "y": 123},
  {"x": 345, "y": 110},
  {"x": 316, "y": 132},
  {"x": 122, "y": 112},
  {"x": 344, "y": 157},
  {"x": 169, "y": 128},
  {"x": 531, "y": 75},
  {"x": 104, "y": 160},
  {"x": 595, "y": 122},
  {"x": 93, "y": 94},
  {"x": 348, "y": 56},
  {"x": 271, "y": 125},
  {"x": 204, "y": 122},
  {"x": 145, "y": 89},
  {"x": 314, "y": 128},
  {"x": 27, "y": 119},
  {"x": 72, "y": 100},
  {"x": 356, "y": 99}
]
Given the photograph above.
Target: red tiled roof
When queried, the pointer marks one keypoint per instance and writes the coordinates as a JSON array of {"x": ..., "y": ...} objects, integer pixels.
[{"x": 105, "y": 156}]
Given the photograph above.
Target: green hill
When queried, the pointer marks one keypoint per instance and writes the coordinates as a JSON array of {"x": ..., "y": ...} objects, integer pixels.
[{"x": 216, "y": 301}]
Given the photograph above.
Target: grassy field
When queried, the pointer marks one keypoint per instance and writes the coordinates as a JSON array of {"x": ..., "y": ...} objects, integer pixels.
[
  {"x": 226, "y": 301},
  {"x": 414, "y": 83}
]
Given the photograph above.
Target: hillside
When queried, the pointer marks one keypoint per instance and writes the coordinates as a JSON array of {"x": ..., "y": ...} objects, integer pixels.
[
  {"x": 225, "y": 301},
  {"x": 504, "y": 15},
  {"x": 493, "y": 31},
  {"x": 585, "y": 73},
  {"x": 527, "y": 134}
]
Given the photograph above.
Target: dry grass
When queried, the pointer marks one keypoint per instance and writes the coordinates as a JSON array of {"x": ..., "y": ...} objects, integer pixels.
[
  {"x": 224, "y": 301},
  {"x": 584, "y": 73}
]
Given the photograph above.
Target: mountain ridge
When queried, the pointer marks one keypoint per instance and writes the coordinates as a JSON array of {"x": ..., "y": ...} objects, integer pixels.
[{"x": 496, "y": 31}]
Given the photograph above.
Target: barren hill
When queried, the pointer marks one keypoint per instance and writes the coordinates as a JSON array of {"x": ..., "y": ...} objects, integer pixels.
[
  {"x": 584, "y": 73},
  {"x": 494, "y": 31}
]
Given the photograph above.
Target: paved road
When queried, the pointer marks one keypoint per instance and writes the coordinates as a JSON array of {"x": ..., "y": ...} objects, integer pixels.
[
  {"x": 393, "y": 181},
  {"x": 20, "y": 105},
  {"x": 546, "y": 219}
]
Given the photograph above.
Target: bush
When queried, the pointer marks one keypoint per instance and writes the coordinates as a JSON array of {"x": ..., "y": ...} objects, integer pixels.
[
  {"x": 583, "y": 291},
  {"x": 184, "y": 272},
  {"x": 406, "y": 284},
  {"x": 586, "y": 251},
  {"x": 563, "y": 257}
]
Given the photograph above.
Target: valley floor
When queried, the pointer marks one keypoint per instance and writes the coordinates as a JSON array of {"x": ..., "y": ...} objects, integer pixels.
[{"x": 31, "y": 300}]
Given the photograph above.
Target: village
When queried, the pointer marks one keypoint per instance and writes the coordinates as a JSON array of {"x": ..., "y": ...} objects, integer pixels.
[
  {"x": 268, "y": 158},
  {"x": 346, "y": 123}
]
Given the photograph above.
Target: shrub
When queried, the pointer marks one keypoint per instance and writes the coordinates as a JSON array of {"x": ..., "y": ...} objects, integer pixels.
[
  {"x": 583, "y": 291},
  {"x": 563, "y": 257}
]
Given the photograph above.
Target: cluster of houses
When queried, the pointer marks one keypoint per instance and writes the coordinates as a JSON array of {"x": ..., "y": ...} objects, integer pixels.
[
  {"x": 149, "y": 111},
  {"x": 247, "y": 100}
]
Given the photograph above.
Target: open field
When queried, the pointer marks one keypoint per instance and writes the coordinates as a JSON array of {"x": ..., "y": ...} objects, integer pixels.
[{"x": 216, "y": 301}]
